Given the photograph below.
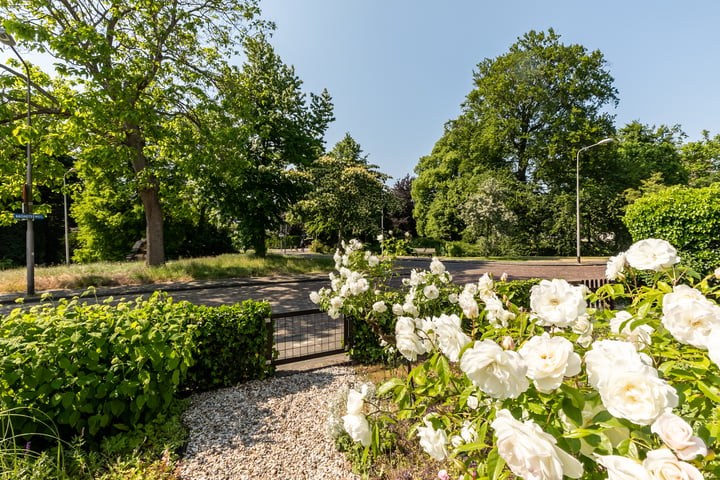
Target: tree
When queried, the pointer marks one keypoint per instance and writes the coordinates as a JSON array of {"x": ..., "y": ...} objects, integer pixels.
[
  {"x": 348, "y": 194},
  {"x": 648, "y": 150},
  {"x": 702, "y": 160},
  {"x": 488, "y": 216},
  {"x": 262, "y": 134},
  {"x": 401, "y": 210},
  {"x": 530, "y": 111},
  {"x": 135, "y": 65}
]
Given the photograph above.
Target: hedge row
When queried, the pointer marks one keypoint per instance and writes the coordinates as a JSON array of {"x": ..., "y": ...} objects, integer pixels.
[{"x": 102, "y": 368}]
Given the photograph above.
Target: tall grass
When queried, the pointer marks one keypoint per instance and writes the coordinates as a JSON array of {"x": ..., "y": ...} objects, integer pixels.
[
  {"x": 18, "y": 459},
  {"x": 104, "y": 274}
]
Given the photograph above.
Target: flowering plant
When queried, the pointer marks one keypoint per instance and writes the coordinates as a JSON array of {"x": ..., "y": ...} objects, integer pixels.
[{"x": 555, "y": 388}]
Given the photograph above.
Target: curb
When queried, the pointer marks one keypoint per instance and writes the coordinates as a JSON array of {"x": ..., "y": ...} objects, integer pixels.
[{"x": 12, "y": 298}]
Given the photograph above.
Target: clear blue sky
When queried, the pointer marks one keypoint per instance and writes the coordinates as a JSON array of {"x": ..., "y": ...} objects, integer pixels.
[{"x": 399, "y": 69}]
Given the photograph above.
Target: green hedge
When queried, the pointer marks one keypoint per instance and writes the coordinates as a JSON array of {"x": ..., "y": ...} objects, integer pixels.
[
  {"x": 230, "y": 345},
  {"x": 688, "y": 218},
  {"x": 101, "y": 369}
]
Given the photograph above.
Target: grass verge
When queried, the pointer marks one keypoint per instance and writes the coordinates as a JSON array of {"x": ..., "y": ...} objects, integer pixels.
[{"x": 104, "y": 274}]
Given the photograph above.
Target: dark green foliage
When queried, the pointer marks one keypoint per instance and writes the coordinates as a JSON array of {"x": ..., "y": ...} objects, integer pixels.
[
  {"x": 366, "y": 348},
  {"x": 102, "y": 369},
  {"x": 230, "y": 345},
  {"x": 463, "y": 249},
  {"x": 688, "y": 218}
]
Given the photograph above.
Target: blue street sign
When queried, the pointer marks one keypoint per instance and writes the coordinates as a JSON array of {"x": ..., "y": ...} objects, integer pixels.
[{"x": 28, "y": 216}]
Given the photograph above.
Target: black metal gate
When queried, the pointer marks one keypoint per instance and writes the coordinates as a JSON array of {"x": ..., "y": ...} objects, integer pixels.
[{"x": 308, "y": 334}]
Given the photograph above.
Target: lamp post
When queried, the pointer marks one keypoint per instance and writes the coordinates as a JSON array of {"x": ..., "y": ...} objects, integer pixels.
[
  {"x": 7, "y": 39},
  {"x": 577, "y": 190},
  {"x": 65, "y": 210}
]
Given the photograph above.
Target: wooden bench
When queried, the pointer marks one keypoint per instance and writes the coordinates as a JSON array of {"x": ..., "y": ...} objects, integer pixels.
[
  {"x": 139, "y": 250},
  {"x": 429, "y": 252}
]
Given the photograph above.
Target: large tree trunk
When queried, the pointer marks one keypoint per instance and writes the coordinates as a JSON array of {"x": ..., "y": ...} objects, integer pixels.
[
  {"x": 149, "y": 192},
  {"x": 153, "y": 227}
]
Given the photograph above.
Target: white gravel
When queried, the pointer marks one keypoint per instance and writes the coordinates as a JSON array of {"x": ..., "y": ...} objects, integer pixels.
[{"x": 267, "y": 429}]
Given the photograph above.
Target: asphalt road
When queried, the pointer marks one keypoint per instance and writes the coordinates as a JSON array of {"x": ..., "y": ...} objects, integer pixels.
[{"x": 287, "y": 294}]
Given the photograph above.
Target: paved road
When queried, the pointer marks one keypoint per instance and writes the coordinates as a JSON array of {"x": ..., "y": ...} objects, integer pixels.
[{"x": 287, "y": 294}]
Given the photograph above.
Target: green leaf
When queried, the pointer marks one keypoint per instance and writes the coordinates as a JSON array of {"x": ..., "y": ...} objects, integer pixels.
[
  {"x": 389, "y": 385},
  {"x": 711, "y": 392}
]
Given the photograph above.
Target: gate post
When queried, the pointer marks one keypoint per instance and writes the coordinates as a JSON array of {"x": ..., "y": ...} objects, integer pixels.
[{"x": 347, "y": 332}]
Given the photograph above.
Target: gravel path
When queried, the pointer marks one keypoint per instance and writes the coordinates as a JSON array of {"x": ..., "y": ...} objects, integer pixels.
[{"x": 275, "y": 428}]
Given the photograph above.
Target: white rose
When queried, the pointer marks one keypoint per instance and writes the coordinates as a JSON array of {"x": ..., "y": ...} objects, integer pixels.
[
  {"x": 637, "y": 395},
  {"x": 358, "y": 428},
  {"x": 469, "y": 306},
  {"x": 473, "y": 402},
  {"x": 356, "y": 400},
  {"x": 434, "y": 442},
  {"x": 496, "y": 315},
  {"x": 497, "y": 372},
  {"x": 315, "y": 297},
  {"x": 549, "y": 360},
  {"x": 431, "y": 292},
  {"x": 662, "y": 465},
  {"x": 714, "y": 345},
  {"x": 337, "y": 302},
  {"x": 486, "y": 286},
  {"x": 639, "y": 336},
  {"x": 450, "y": 337},
  {"x": 453, "y": 298},
  {"x": 436, "y": 266},
  {"x": 678, "y": 435},
  {"x": 584, "y": 328},
  {"x": 615, "y": 268},
  {"x": 609, "y": 356},
  {"x": 651, "y": 254},
  {"x": 530, "y": 452},
  {"x": 468, "y": 434},
  {"x": 556, "y": 302},
  {"x": 717, "y": 273},
  {"x": 397, "y": 309},
  {"x": 622, "y": 468},
  {"x": 689, "y": 316},
  {"x": 379, "y": 307},
  {"x": 407, "y": 341}
]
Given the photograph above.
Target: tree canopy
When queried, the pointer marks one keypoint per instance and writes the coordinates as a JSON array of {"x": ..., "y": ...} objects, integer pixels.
[
  {"x": 531, "y": 109},
  {"x": 348, "y": 195},
  {"x": 133, "y": 67}
]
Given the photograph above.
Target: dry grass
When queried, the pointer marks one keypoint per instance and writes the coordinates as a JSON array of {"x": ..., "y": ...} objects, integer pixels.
[{"x": 104, "y": 274}]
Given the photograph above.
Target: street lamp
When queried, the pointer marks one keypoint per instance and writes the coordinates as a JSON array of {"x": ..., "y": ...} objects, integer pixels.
[
  {"x": 67, "y": 243},
  {"x": 7, "y": 39},
  {"x": 577, "y": 190}
]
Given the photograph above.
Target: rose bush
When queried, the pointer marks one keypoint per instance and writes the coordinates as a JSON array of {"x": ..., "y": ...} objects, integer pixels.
[{"x": 551, "y": 388}]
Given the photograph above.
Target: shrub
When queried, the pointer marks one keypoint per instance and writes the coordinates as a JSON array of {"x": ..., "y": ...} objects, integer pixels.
[
  {"x": 556, "y": 390},
  {"x": 230, "y": 345},
  {"x": 95, "y": 368},
  {"x": 463, "y": 249},
  {"x": 688, "y": 218},
  {"x": 102, "y": 369}
]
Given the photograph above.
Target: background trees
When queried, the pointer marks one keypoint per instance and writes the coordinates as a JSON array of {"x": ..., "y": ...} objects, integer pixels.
[
  {"x": 347, "y": 198},
  {"x": 133, "y": 66},
  {"x": 264, "y": 134},
  {"x": 504, "y": 171}
]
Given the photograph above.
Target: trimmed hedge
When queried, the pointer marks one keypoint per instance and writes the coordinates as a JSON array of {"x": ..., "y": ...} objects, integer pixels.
[
  {"x": 230, "y": 346},
  {"x": 688, "y": 218},
  {"x": 101, "y": 369}
]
